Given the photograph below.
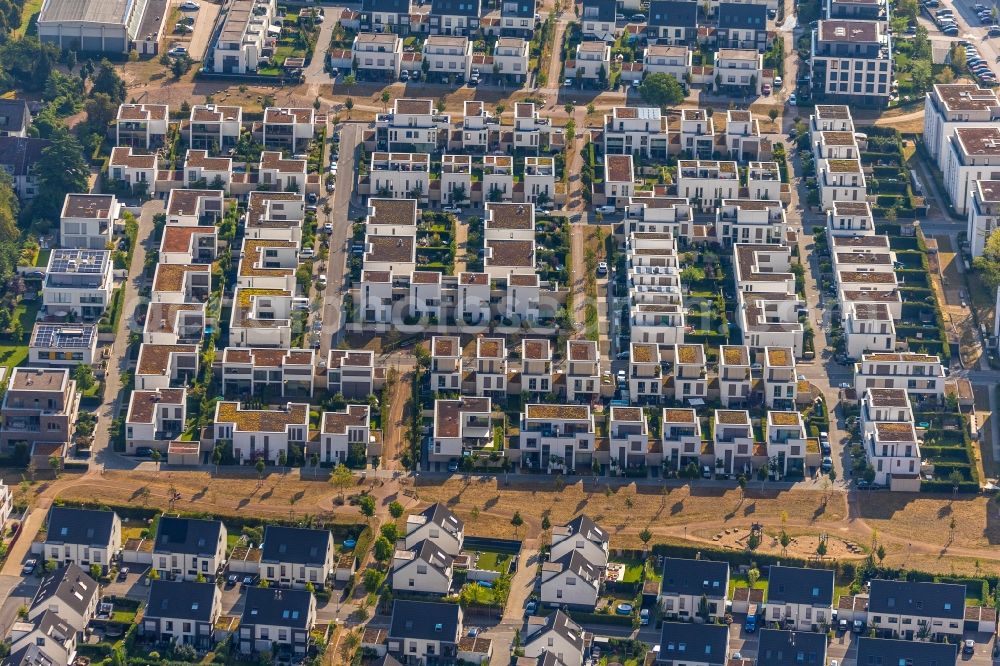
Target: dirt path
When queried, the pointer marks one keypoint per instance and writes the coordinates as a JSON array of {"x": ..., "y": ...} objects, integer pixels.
[
  {"x": 555, "y": 62},
  {"x": 576, "y": 242}
]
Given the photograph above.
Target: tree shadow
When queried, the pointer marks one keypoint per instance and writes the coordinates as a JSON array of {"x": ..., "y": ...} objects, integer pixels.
[{"x": 676, "y": 507}]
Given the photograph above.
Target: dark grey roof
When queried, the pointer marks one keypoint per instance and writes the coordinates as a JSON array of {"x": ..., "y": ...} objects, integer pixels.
[
  {"x": 743, "y": 16},
  {"x": 469, "y": 8},
  {"x": 692, "y": 642},
  {"x": 562, "y": 624},
  {"x": 518, "y": 8},
  {"x": 586, "y": 527},
  {"x": 890, "y": 652},
  {"x": 277, "y": 607},
  {"x": 181, "y": 600},
  {"x": 599, "y": 10},
  {"x": 547, "y": 658},
  {"x": 69, "y": 584},
  {"x": 86, "y": 527},
  {"x": 192, "y": 536},
  {"x": 441, "y": 515},
  {"x": 386, "y": 6},
  {"x": 19, "y": 154},
  {"x": 677, "y": 13},
  {"x": 29, "y": 655},
  {"x": 944, "y": 600},
  {"x": 791, "y": 648},
  {"x": 429, "y": 552},
  {"x": 695, "y": 577},
  {"x": 428, "y": 620},
  {"x": 800, "y": 586},
  {"x": 14, "y": 115},
  {"x": 50, "y": 624},
  {"x": 578, "y": 563},
  {"x": 295, "y": 545}
]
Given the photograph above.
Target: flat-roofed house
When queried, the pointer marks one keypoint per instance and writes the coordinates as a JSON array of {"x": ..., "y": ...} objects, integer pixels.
[
  {"x": 62, "y": 345},
  {"x": 261, "y": 433},
  {"x": 78, "y": 282},
  {"x": 155, "y": 418},
  {"x": 681, "y": 435},
  {"x": 583, "y": 370},
  {"x": 87, "y": 221},
  {"x": 557, "y": 437},
  {"x": 951, "y": 105},
  {"x": 39, "y": 408},
  {"x": 735, "y": 381},
  {"x": 275, "y": 372},
  {"x": 629, "y": 438},
  {"x": 342, "y": 431},
  {"x": 460, "y": 426},
  {"x": 733, "y": 441},
  {"x": 351, "y": 373},
  {"x": 141, "y": 125},
  {"x": 214, "y": 127},
  {"x": 165, "y": 366},
  {"x": 242, "y": 36}
]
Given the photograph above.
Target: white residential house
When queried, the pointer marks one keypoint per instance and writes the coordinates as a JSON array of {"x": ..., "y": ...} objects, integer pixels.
[
  {"x": 685, "y": 582},
  {"x": 786, "y": 441},
  {"x": 570, "y": 581},
  {"x": 261, "y": 433},
  {"x": 295, "y": 556},
  {"x": 155, "y": 418},
  {"x": 81, "y": 536},
  {"x": 480, "y": 130},
  {"x": 557, "y": 437},
  {"x": 911, "y": 610},
  {"x": 133, "y": 169},
  {"x": 141, "y": 125},
  {"x": 214, "y": 127},
  {"x": 448, "y": 55},
  {"x": 446, "y": 363},
  {"x": 681, "y": 438},
  {"x": 619, "y": 178},
  {"x": 733, "y": 440},
  {"x": 342, "y": 431},
  {"x": 498, "y": 177},
  {"x": 185, "y": 548},
  {"x": 414, "y": 125},
  {"x": 261, "y": 318},
  {"x": 163, "y": 366},
  {"x": 690, "y": 374},
  {"x": 581, "y": 535},
  {"x": 739, "y": 68},
  {"x": 674, "y": 61},
  {"x": 62, "y": 345},
  {"x": 656, "y": 308},
  {"x": 846, "y": 51},
  {"x": 192, "y": 207},
  {"x": 735, "y": 381},
  {"x": 592, "y": 63},
  {"x": 250, "y": 371},
  {"x": 780, "y": 381},
  {"x": 456, "y": 178},
  {"x": 280, "y": 174},
  {"x": 491, "y": 366},
  {"x": 706, "y": 183},
  {"x": 425, "y": 568},
  {"x": 244, "y": 33},
  {"x": 697, "y": 133},
  {"x": 531, "y": 131},
  {"x": 628, "y": 436},
  {"x": 764, "y": 181},
  {"x": 751, "y": 220},
  {"x": 868, "y": 327},
  {"x": 947, "y": 106},
  {"x": 438, "y": 524},
  {"x": 202, "y": 170},
  {"x": 536, "y": 366},
  {"x": 645, "y": 373},
  {"x": 850, "y": 218},
  {"x": 510, "y": 58},
  {"x": 744, "y": 143},
  {"x": 87, "y": 221},
  {"x": 426, "y": 299},
  {"x": 799, "y": 599},
  {"x": 460, "y": 426},
  {"x": 841, "y": 180},
  {"x": 78, "y": 282},
  {"x": 984, "y": 214},
  {"x": 182, "y": 612},
  {"x": 351, "y": 373},
  {"x": 637, "y": 129},
  {"x": 539, "y": 180},
  {"x": 378, "y": 55},
  {"x": 288, "y": 128},
  {"x": 400, "y": 175},
  {"x": 974, "y": 154},
  {"x": 767, "y": 305},
  {"x": 583, "y": 370},
  {"x": 920, "y": 374}
]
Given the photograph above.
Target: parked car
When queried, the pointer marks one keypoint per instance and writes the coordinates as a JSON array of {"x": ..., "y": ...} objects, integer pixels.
[
  {"x": 190, "y": 6},
  {"x": 321, "y": 281},
  {"x": 644, "y": 617},
  {"x": 859, "y": 626},
  {"x": 766, "y": 88},
  {"x": 606, "y": 210},
  {"x": 602, "y": 268},
  {"x": 307, "y": 253},
  {"x": 29, "y": 566},
  {"x": 328, "y": 227},
  {"x": 453, "y": 466},
  {"x": 777, "y": 82},
  {"x": 177, "y": 51},
  {"x": 968, "y": 646},
  {"x": 452, "y": 209},
  {"x": 827, "y": 464},
  {"x": 792, "y": 100}
]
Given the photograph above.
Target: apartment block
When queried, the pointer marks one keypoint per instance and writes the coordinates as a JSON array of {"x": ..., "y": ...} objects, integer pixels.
[
  {"x": 141, "y": 125},
  {"x": 557, "y": 437},
  {"x": 974, "y": 155},
  {"x": 40, "y": 407},
  {"x": 852, "y": 60},
  {"x": 953, "y": 105}
]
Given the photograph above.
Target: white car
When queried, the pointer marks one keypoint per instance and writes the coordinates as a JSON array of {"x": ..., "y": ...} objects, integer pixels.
[
  {"x": 777, "y": 82},
  {"x": 190, "y": 6},
  {"x": 452, "y": 209},
  {"x": 792, "y": 100},
  {"x": 606, "y": 210},
  {"x": 321, "y": 281},
  {"x": 307, "y": 253},
  {"x": 177, "y": 51}
]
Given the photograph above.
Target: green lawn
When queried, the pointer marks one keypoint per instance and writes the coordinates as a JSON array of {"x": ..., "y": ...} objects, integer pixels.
[
  {"x": 29, "y": 16},
  {"x": 738, "y": 580},
  {"x": 491, "y": 561},
  {"x": 633, "y": 570},
  {"x": 123, "y": 616}
]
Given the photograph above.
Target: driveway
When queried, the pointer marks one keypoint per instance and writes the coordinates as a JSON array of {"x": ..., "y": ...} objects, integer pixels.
[
  {"x": 204, "y": 26},
  {"x": 16, "y": 591},
  {"x": 339, "y": 217}
]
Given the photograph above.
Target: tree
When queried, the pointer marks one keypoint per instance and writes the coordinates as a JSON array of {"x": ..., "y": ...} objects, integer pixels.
[
  {"x": 772, "y": 114},
  {"x": 314, "y": 461},
  {"x": 341, "y": 479},
  {"x": 101, "y": 112},
  {"x": 259, "y": 466},
  {"x": 784, "y": 540},
  {"x": 385, "y": 99},
  {"x": 316, "y": 103},
  {"x": 569, "y": 108},
  {"x": 395, "y": 509},
  {"x": 107, "y": 81},
  {"x": 753, "y": 575},
  {"x": 956, "y": 479},
  {"x": 517, "y": 521},
  {"x": 661, "y": 89},
  {"x": 61, "y": 169},
  {"x": 95, "y": 571},
  {"x": 390, "y": 532},
  {"x": 55, "y": 462},
  {"x": 880, "y": 553},
  {"x": 383, "y": 549},
  {"x": 742, "y": 483},
  {"x": 71, "y": 60},
  {"x": 645, "y": 536},
  {"x": 367, "y": 506},
  {"x": 821, "y": 547},
  {"x": 762, "y": 475},
  {"x": 84, "y": 376},
  {"x": 921, "y": 74},
  {"x": 217, "y": 458},
  {"x": 546, "y": 523},
  {"x": 156, "y": 457},
  {"x": 349, "y": 104},
  {"x": 373, "y": 579},
  {"x": 282, "y": 458}
]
